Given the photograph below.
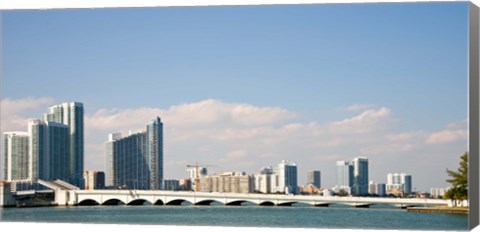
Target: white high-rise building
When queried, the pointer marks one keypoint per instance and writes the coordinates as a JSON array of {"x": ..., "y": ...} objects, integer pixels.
[
  {"x": 287, "y": 177},
  {"x": 15, "y": 156},
  {"x": 399, "y": 182},
  {"x": 136, "y": 161},
  {"x": 264, "y": 180}
]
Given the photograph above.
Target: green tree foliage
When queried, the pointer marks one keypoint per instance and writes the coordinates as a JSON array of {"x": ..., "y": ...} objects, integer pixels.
[{"x": 459, "y": 181}]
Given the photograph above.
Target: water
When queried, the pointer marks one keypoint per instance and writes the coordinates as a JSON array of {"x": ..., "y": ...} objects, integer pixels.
[{"x": 245, "y": 216}]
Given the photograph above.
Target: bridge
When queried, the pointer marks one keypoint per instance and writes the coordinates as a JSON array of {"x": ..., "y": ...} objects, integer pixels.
[{"x": 153, "y": 197}]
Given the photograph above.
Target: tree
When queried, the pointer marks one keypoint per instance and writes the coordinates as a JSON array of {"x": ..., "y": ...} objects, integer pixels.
[{"x": 459, "y": 181}]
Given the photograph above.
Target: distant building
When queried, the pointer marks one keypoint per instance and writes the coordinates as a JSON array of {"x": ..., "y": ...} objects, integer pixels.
[
  {"x": 360, "y": 176},
  {"x": 264, "y": 180},
  {"x": 191, "y": 174},
  {"x": 313, "y": 177},
  {"x": 15, "y": 156},
  {"x": 94, "y": 180},
  {"x": 344, "y": 175},
  {"x": 372, "y": 188},
  {"x": 399, "y": 184},
  {"x": 310, "y": 189},
  {"x": 381, "y": 190},
  {"x": 438, "y": 192},
  {"x": 287, "y": 177},
  {"x": 184, "y": 184},
  {"x": 49, "y": 151},
  {"x": 71, "y": 115},
  {"x": 171, "y": 185},
  {"x": 227, "y": 183},
  {"x": 136, "y": 161}
]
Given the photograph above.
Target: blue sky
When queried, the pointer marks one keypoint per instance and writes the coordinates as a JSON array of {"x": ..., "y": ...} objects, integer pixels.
[{"x": 313, "y": 60}]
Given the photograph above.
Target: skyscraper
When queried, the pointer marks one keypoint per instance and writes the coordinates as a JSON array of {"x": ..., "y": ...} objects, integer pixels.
[
  {"x": 344, "y": 177},
  {"x": 136, "y": 161},
  {"x": 313, "y": 177},
  {"x": 287, "y": 177},
  {"x": 360, "y": 176},
  {"x": 15, "y": 156},
  {"x": 71, "y": 114},
  {"x": 49, "y": 146}
]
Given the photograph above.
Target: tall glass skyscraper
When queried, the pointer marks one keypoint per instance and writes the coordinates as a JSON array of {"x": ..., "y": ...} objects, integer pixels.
[
  {"x": 71, "y": 114},
  {"x": 49, "y": 151},
  {"x": 360, "y": 176},
  {"x": 15, "y": 156},
  {"x": 344, "y": 177},
  {"x": 136, "y": 161},
  {"x": 313, "y": 177},
  {"x": 287, "y": 177}
]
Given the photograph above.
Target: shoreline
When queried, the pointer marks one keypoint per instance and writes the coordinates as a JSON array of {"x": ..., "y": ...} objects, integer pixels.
[{"x": 449, "y": 210}]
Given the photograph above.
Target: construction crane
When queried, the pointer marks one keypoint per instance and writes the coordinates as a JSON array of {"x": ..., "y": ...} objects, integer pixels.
[{"x": 197, "y": 184}]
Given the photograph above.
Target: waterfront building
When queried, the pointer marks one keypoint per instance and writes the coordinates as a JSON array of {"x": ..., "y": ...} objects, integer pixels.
[
  {"x": 360, "y": 176},
  {"x": 136, "y": 161},
  {"x": 184, "y": 184},
  {"x": 171, "y": 185},
  {"x": 310, "y": 189},
  {"x": 438, "y": 192},
  {"x": 227, "y": 183},
  {"x": 263, "y": 180},
  {"x": 399, "y": 183},
  {"x": 49, "y": 151},
  {"x": 344, "y": 175},
  {"x": 372, "y": 188},
  {"x": 72, "y": 115},
  {"x": 15, "y": 156},
  {"x": 191, "y": 174},
  {"x": 381, "y": 190},
  {"x": 313, "y": 177},
  {"x": 287, "y": 177},
  {"x": 94, "y": 180}
]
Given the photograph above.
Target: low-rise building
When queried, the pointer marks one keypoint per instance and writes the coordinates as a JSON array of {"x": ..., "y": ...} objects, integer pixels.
[{"x": 227, "y": 183}]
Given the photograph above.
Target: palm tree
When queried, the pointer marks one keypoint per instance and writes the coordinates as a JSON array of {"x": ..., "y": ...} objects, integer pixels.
[{"x": 459, "y": 181}]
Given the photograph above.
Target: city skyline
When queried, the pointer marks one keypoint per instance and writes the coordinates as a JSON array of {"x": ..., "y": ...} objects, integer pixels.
[{"x": 254, "y": 90}]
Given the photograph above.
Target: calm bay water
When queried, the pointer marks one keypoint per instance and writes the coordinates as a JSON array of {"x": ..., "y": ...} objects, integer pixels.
[{"x": 257, "y": 216}]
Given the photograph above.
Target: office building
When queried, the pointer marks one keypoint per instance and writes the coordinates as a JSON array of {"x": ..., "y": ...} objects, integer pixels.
[
  {"x": 344, "y": 175},
  {"x": 360, "y": 176},
  {"x": 71, "y": 114},
  {"x": 136, "y": 161},
  {"x": 287, "y": 177},
  {"x": 15, "y": 156},
  {"x": 94, "y": 180},
  {"x": 313, "y": 177}
]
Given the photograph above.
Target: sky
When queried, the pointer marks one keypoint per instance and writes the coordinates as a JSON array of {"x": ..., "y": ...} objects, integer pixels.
[{"x": 244, "y": 87}]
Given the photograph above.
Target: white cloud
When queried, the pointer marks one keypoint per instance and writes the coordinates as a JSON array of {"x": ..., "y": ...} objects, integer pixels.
[
  {"x": 359, "y": 107},
  {"x": 446, "y": 136},
  {"x": 237, "y": 154},
  {"x": 15, "y": 112},
  {"x": 366, "y": 122}
]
